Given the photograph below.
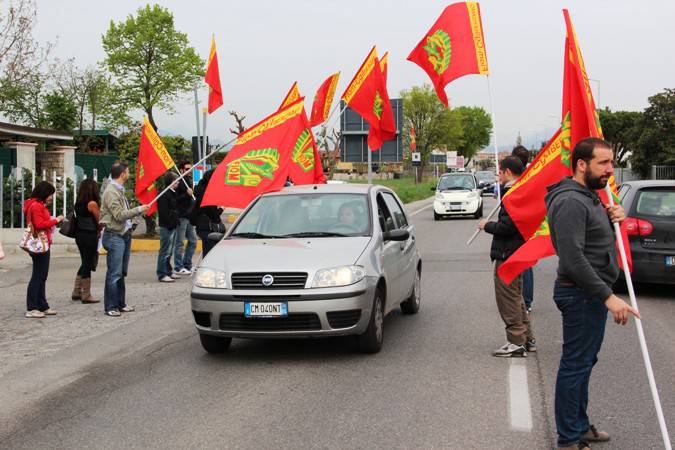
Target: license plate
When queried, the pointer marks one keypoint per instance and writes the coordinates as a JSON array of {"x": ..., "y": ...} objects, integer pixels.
[
  {"x": 455, "y": 208},
  {"x": 670, "y": 261},
  {"x": 267, "y": 309}
]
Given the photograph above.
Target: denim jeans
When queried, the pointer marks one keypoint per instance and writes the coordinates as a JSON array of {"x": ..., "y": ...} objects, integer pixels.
[
  {"x": 35, "y": 294},
  {"x": 184, "y": 231},
  {"x": 166, "y": 241},
  {"x": 584, "y": 321},
  {"x": 118, "y": 247},
  {"x": 528, "y": 287}
]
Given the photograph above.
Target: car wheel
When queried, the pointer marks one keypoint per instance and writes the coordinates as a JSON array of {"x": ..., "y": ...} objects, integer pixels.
[
  {"x": 371, "y": 340},
  {"x": 437, "y": 216},
  {"x": 479, "y": 212},
  {"x": 215, "y": 344},
  {"x": 412, "y": 304}
]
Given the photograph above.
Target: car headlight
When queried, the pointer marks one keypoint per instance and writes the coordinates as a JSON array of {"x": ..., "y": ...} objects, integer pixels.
[
  {"x": 439, "y": 196},
  {"x": 472, "y": 195},
  {"x": 338, "y": 276},
  {"x": 210, "y": 278}
]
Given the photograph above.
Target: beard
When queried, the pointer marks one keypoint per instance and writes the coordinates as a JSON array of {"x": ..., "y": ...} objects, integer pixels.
[{"x": 595, "y": 183}]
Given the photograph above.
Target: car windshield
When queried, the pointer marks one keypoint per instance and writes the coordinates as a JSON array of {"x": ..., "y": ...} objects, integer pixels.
[
  {"x": 657, "y": 202},
  {"x": 305, "y": 215},
  {"x": 485, "y": 176},
  {"x": 456, "y": 182}
]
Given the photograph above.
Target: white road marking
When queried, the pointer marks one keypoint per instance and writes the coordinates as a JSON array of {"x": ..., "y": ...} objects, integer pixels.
[
  {"x": 519, "y": 396},
  {"x": 421, "y": 209}
]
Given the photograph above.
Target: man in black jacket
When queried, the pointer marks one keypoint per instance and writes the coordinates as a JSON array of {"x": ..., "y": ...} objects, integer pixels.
[
  {"x": 505, "y": 241},
  {"x": 583, "y": 238},
  {"x": 167, "y": 210},
  {"x": 182, "y": 256}
]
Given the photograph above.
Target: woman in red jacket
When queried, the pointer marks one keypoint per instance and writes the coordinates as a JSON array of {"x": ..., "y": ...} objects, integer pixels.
[{"x": 37, "y": 214}]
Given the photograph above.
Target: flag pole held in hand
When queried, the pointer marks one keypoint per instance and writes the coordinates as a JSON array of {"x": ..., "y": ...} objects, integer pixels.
[{"x": 475, "y": 233}]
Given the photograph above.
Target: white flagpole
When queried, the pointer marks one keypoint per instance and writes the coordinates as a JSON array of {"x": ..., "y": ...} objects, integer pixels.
[
  {"x": 640, "y": 331},
  {"x": 494, "y": 138},
  {"x": 475, "y": 233},
  {"x": 199, "y": 143}
]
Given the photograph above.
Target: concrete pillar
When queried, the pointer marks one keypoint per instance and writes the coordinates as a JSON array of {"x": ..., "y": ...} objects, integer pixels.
[
  {"x": 25, "y": 154},
  {"x": 68, "y": 152}
]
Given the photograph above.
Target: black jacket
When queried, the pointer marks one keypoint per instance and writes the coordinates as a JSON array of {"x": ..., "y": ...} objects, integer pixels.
[
  {"x": 184, "y": 200},
  {"x": 583, "y": 238},
  {"x": 202, "y": 217},
  {"x": 167, "y": 210},
  {"x": 506, "y": 238}
]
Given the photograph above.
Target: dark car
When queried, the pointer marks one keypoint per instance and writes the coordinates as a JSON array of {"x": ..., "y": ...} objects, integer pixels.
[
  {"x": 650, "y": 222},
  {"x": 486, "y": 181}
]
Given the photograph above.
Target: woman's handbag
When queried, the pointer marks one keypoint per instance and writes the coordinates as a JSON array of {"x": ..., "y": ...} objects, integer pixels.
[
  {"x": 68, "y": 225},
  {"x": 34, "y": 242}
]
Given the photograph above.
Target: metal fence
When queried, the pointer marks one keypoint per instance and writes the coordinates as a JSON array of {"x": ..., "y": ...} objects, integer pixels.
[
  {"x": 621, "y": 175},
  {"x": 16, "y": 185},
  {"x": 663, "y": 173}
]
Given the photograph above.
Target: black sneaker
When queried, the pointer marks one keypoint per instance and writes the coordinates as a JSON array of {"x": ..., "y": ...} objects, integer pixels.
[
  {"x": 510, "y": 350},
  {"x": 531, "y": 345}
]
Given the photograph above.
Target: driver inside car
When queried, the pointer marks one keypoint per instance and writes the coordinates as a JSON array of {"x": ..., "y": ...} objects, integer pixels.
[{"x": 347, "y": 215}]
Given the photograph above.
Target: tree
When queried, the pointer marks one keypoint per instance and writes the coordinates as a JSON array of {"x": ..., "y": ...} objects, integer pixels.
[
  {"x": 436, "y": 127},
  {"x": 477, "y": 127},
  {"x": 622, "y": 129},
  {"x": 240, "y": 123},
  {"x": 151, "y": 61},
  {"x": 22, "y": 101},
  {"x": 656, "y": 144},
  {"x": 60, "y": 112}
]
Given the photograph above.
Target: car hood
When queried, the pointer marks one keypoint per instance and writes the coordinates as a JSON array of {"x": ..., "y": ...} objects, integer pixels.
[
  {"x": 455, "y": 195},
  {"x": 284, "y": 255}
]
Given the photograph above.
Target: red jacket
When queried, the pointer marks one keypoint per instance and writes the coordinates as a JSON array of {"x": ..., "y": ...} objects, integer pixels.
[{"x": 37, "y": 213}]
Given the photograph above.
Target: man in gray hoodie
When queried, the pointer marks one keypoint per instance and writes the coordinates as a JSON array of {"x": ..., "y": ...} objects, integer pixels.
[{"x": 583, "y": 237}]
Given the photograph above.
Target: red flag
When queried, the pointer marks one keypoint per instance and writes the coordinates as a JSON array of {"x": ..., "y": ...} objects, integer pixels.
[
  {"x": 153, "y": 161},
  {"x": 453, "y": 47},
  {"x": 413, "y": 142},
  {"x": 259, "y": 161},
  {"x": 323, "y": 100},
  {"x": 292, "y": 96},
  {"x": 212, "y": 78},
  {"x": 367, "y": 95},
  {"x": 384, "y": 63},
  {"x": 580, "y": 120}
]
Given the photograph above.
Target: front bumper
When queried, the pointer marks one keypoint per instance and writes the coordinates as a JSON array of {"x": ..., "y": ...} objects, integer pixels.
[
  {"x": 447, "y": 208},
  {"x": 311, "y": 312}
]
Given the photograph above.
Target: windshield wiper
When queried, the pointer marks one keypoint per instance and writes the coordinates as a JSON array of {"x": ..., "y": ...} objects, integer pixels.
[
  {"x": 452, "y": 188},
  {"x": 315, "y": 234},
  {"x": 250, "y": 235}
]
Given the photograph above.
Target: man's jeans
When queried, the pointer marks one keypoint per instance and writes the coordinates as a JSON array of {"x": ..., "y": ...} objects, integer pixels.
[
  {"x": 528, "y": 287},
  {"x": 166, "y": 241},
  {"x": 184, "y": 231},
  {"x": 117, "y": 259},
  {"x": 584, "y": 321}
]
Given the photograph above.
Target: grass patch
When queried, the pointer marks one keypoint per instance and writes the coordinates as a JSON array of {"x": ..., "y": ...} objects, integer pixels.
[{"x": 405, "y": 188}]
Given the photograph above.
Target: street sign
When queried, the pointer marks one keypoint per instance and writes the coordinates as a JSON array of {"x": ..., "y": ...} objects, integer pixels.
[
  {"x": 451, "y": 159},
  {"x": 460, "y": 161},
  {"x": 416, "y": 158},
  {"x": 199, "y": 171}
]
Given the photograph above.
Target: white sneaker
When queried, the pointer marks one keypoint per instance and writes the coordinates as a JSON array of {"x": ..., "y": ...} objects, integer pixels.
[
  {"x": 49, "y": 312},
  {"x": 175, "y": 276},
  {"x": 35, "y": 314},
  {"x": 166, "y": 279},
  {"x": 510, "y": 350},
  {"x": 184, "y": 271},
  {"x": 128, "y": 308}
]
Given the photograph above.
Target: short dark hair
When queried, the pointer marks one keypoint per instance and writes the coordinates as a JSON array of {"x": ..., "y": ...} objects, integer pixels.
[
  {"x": 584, "y": 150},
  {"x": 42, "y": 190},
  {"x": 522, "y": 153},
  {"x": 183, "y": 164},
  {"x": 511, "y": 163},
  {"x": 169, "y": 178},
  {"x": 88, "y": 192},
  {"x": 117, "y": 170}
]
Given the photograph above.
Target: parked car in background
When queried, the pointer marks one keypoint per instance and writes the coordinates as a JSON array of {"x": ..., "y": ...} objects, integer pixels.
[
  {"x": 650, "y": 222},
  {"x": 309, "y": 261},
  {"x": 457, "y": 194},
  {"x": 486, "y": 181}
]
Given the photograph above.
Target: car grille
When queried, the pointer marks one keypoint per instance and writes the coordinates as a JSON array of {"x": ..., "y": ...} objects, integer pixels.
[
  {"x": 282, "y": 280},
  {"x": 292, "y": 322},
  {"x": 343, "y": 319}
]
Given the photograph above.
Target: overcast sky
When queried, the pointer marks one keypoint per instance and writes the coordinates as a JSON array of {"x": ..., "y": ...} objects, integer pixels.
[{"x": 263, "y": 46}]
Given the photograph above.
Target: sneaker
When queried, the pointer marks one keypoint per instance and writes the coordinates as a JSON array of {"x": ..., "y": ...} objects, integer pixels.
[
  {"x": 166, "y": 279},
  {"x": 49, "y": 312},
  {"x": 531, "y": 345},
  {"x": 528, "y": 310},
  {"x": 113, "y": 313},
  {"x": 35, "y": 314},
  {"x": 128, "y": 308},
  {"x": 175, "y": 276},
  {"x": 593, "y": 435},
  {"x": 510, "y": 350},
  {"x": 581, "y": 445},
  {"x": 183, "y": 271}
]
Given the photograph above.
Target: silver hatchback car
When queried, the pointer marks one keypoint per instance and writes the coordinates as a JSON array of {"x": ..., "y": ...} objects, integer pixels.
[{"x": 309, "y": 261}]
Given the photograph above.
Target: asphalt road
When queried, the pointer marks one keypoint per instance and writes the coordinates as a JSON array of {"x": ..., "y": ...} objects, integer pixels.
[{"x": 434, "y": 385}]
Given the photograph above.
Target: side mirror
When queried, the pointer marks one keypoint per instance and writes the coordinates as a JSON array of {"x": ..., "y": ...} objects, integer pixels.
[
  {"x": 481, "y": 184},
  {"x": 433, "y": 188},
  {"x": 396, "y": 235},
  {"x": 215, "y": 237}
]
